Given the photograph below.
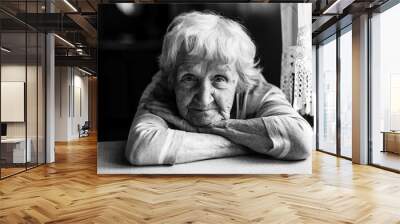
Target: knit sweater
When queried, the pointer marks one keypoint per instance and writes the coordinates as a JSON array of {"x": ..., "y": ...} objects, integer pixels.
[{"x": 153, "y": 141}]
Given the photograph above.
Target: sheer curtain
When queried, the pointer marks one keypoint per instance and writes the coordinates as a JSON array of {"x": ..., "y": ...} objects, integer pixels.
[{"x": 296, "y": 76}]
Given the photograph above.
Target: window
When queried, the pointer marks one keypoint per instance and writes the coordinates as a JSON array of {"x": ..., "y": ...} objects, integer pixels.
[
  {"x": 346, "y": 93},
  {"x": 327, "y": 96},
  {"x": 335, "y": 74},
  {"x": 385, "y": 89}
]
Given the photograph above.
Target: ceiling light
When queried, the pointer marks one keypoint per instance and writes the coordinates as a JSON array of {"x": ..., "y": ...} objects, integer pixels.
[
  {"x": 5, "y": 50},
  {"x": 70, "y": 5},
  {"x": 337, "y": 7},
  {"x": 65, "y": 41},
  {"x": 79, "y": 51},
  {"x": 84, "y": 71}
]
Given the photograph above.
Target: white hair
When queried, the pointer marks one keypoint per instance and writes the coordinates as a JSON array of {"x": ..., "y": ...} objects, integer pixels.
[{"x": 210, "y": 37}]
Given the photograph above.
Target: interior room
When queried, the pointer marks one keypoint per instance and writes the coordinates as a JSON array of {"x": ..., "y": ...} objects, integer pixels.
[
  {"x": 22, "y": 100},
  {"x": 65, "y": 70}
]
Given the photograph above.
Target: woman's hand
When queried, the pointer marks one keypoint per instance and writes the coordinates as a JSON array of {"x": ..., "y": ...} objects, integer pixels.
[
  {"x": 163, "y": 110},
  {"x": 250, "y": 133}
]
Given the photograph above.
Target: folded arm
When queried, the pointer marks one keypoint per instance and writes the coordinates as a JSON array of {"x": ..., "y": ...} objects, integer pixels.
[
  {"x": 281, "y": 137},
  {"x": 152, "y": 142},
  {"x": 276, "y": 130}
]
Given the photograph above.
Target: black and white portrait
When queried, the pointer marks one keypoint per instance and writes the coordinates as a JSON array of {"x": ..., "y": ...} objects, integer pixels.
[{"x": 221, "y": 84}]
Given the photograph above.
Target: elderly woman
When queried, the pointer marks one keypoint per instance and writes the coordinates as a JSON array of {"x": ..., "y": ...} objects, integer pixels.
[{"x": 210, "y": 100}]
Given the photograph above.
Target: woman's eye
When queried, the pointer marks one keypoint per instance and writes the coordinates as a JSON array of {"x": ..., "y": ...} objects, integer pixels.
[
  {"x": 188, "y": 78},
  {"x": 220, "y": 78}
]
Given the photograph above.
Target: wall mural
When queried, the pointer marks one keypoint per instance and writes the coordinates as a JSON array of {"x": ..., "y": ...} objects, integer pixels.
[{"x": 194, "y": 88}]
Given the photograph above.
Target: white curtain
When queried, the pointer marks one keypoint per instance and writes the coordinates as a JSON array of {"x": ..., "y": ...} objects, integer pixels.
[{"x": 296, "y": 69}]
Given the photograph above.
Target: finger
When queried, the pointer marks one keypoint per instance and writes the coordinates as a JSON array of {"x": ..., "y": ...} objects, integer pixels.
[
  {"x": 226, "y": 115},
  {"x": 219, "y": 124}
]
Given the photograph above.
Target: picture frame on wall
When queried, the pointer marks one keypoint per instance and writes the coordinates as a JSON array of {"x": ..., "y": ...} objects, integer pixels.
[{"x": 196, "y": 89}]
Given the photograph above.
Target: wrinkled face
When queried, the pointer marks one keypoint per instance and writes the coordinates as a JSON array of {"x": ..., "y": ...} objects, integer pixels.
[{"x": 205, "y": 91}]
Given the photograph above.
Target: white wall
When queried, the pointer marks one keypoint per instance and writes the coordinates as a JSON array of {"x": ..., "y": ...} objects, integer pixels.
[
  {"x": 17, "y": 72},
  {"x": 70, "y": 84},
  {"x": 79, "y": 117},
  {"x": 61, "y": 103},
  {"x": 33, "y": 126}
]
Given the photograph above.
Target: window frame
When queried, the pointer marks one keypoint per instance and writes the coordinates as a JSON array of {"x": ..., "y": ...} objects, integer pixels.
[{"x": 333, "y": 37}]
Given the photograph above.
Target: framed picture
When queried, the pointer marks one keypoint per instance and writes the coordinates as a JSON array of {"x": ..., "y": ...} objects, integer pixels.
[{"x": 196, "y": 88}]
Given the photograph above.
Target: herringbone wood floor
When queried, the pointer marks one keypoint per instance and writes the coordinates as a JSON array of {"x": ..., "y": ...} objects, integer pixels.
[{"x": 70, "y": 191}]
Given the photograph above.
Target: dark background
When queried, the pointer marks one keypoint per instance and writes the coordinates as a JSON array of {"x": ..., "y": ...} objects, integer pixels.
[{"x": 128, "y": 48}]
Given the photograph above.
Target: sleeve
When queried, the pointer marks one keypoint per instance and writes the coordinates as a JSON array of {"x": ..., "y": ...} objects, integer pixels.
[
  {"x": 150, "y": 140},
  {"x": 291, "y": 135}
]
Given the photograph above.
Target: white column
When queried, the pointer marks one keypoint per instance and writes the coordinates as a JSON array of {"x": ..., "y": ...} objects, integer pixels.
[
  {"x": 50, "y": 93},
  {"x": 360, "y": 90}
]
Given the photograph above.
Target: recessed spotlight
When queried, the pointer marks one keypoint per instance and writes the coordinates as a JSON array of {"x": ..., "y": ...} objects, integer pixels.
[
  {"x": 70, "y": 5},
  {"x": 84, "y": 71},
  {"x": 64, "y": 40},
  {"x": 5, "y": 49}
]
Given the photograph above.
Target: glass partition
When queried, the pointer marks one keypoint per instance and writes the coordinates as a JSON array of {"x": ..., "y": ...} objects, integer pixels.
[
  {"x": 32, "y": 85},
  {"x": 327, "y": 96},
  {"x": 14, "y": 153},
  {"x": 22, "y": 88}
]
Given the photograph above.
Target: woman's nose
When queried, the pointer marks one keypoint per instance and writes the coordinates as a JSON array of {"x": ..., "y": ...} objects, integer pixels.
[{"x": 204, "y": 95}]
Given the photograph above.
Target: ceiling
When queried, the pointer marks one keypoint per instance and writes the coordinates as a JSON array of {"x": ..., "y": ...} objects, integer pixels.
[{"x": 76, "y": 21}]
